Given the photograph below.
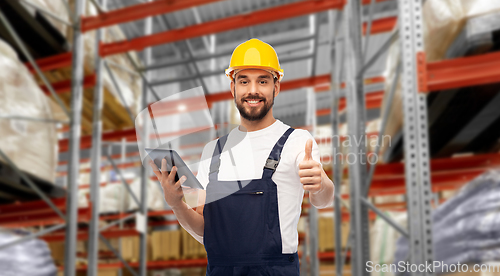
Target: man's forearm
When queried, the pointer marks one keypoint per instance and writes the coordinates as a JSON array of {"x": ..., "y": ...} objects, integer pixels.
[
  {"x": 324, "y": 197},
  {"x": 189, "y": 219}
]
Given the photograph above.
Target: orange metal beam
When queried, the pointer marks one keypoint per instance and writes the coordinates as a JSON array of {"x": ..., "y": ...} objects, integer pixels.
[
  {"x": 42, "y": 218},
  {"x": 463, "y": 72},
  {"x": 84, "y": 235},
  {"x": 86, "y": 141},
  {"x": 152, "y": 264},
  {"x": 139, "y": 11},
  {"x": 143, "y": 10},
  {"x": 368, "y": 81},
  {"x": 23, "y": 209},
  {"x": 447, "y": 173},
  {"x": 381, "y": 25},
  {"x": 372, "y": 100},
  {"x": 52, "y": 62},
  {"x": 65, "y": 85},
  {"x": 221, "y": 25}
]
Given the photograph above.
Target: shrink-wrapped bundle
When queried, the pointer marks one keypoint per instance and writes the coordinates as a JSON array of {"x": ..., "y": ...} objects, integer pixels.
[
  {"x": 443, "y": 21},
  {"x": 129, "y": 84},
  {"x": 30, "y": 144},
  {"x": 155, "y": 199}
]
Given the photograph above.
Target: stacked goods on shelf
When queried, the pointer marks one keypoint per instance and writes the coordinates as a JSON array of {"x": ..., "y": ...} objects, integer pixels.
[
  {"x": 197, "y": 271},
  {"x": 57, "y": 250},
  {"x": 466, "y": 228},
  {"x": 100, "y": 272},
  {"x": 327, "y": 269},
  {"x": 130, "y": 248},
  {"x": 31, "y": 257},
  {"x": 372, "y": 139},
  {"x": 325, "y": 139},
  {"x": 155, "y": 199},
  {"x": 106, "y": 272},
  {"x": 322, "y": 135},
  {"x": 166, "y": 245},
  {"x": 389, "y": 201},
  {"x": 191, "y": 248},
  {"x": 113, "y": 199},
  {"x": 383, "y": 239},
  {"x": 326, "y": 234},
  {"x": 464, "y": 27},
  {"x": 114, "y": 114},
  {"x": 30, "y": 144},
  {"x": 175, "y": 245}
]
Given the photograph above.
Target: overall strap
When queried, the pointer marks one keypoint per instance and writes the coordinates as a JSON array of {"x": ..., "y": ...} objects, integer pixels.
[
  {"x": 215, "y": 162},
  {"x": 275, "y": 155}
]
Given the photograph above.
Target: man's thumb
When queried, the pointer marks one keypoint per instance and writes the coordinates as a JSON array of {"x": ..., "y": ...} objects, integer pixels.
[{"x": 308, "y": 150}]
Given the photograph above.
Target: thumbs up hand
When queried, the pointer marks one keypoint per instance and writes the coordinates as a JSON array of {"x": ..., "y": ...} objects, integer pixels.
[{"x": 310, "y": 171}]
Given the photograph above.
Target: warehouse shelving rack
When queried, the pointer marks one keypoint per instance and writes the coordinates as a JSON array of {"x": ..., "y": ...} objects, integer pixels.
[
  {"x": 414, "y": 176},
  {"x": 430, "y": 77}
]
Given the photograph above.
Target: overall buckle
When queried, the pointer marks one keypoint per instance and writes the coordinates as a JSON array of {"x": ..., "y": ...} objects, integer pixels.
[{"x": 272, "y": 164}]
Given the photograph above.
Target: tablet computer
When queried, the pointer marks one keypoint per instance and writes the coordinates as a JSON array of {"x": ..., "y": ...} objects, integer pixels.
[{"x": 173, "y": 159}]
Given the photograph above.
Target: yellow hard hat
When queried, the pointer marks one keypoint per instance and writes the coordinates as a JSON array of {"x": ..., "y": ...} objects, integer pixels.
[{"x": 256, "y": 54}]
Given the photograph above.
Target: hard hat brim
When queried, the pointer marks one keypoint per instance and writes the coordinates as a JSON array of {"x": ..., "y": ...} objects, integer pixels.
[{"x": 230, "y": 71}]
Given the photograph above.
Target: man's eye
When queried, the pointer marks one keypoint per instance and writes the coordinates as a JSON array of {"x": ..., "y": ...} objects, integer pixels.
[
  {"x": 243, "y": 82},
  {"x": 263, "y": 82}
]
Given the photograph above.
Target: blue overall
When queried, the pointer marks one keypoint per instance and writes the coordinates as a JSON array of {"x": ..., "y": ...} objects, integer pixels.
[{"x": 242, "y": 232}]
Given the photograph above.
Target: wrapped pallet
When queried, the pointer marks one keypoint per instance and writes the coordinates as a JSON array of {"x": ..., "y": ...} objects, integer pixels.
[
  {"x": 114, "y": 198},
  {"x": 442, "y": 19},
  {"x": 466, "y": 228},
  {"x": 30, "y": 144},
  {"x": 130, "y": 85},
  {"x": 30, "y": 257},
  {"x": 383, "y": 239},
  {"x": 155, "y": 199}
]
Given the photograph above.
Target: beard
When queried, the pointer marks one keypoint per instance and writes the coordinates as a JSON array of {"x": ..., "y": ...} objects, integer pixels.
[{"x": 254, "y": 114}]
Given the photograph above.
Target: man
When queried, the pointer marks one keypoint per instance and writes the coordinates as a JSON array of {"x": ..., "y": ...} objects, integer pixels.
[{"x": 249, "y": 210}]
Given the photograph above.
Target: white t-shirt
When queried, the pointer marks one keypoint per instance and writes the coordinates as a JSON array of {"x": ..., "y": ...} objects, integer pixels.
[{"x": 244, "y": 157}]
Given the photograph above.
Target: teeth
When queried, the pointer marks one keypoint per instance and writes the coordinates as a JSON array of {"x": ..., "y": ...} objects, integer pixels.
[{"x": 253, "y": 102}]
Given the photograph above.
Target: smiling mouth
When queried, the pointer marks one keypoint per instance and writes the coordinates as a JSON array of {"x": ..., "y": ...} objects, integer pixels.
[{"x": 253, "y": 102}]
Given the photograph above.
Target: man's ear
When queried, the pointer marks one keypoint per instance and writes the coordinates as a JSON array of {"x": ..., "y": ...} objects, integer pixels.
[
  {"x": 232, "y": 88},
  {"x": 276, "y": 88}
]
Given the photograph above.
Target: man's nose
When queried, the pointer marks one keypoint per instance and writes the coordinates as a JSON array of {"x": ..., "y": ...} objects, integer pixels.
[{"x": 253, "y": 88}]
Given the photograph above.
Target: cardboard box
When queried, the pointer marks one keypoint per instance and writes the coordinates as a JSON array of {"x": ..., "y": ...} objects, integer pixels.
[
  {"x": 166, "y": 245},
  {"x": 130, "y": 248},
  {"x": 108, "y": 272},
  {"x": 326, "y": 232},
  {"x": 57, "y": 252},
  {"x": 191, "y": 248},
  {"x": 329, "y": 270}
]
